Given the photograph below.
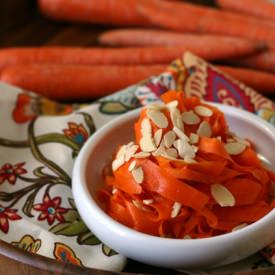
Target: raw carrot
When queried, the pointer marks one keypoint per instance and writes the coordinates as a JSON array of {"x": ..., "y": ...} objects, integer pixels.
[
  {"x": 261, "y": 61},
  {"x": 191, "y": 18},
  {"x": 260, "y": 81},
  {"x": 66, "y": 82},
  {"x": 115, "y": 12},
  {"x": 228, "y": 47},
  {"x": 260, "y": 8},
  {"x": 167, "y": 195},
  {"x": 96, "y": 56}
]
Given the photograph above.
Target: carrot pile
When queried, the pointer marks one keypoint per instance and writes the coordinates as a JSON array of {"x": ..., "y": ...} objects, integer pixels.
[
  {"x": 236, "y": 33},
  {"x": 186, "y": 175}
]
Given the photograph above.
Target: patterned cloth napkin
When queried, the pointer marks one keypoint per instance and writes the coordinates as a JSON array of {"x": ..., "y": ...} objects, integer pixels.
[{"x": 40, "y": 139}]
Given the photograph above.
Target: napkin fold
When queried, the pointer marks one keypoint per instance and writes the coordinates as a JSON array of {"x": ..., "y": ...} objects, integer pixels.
[{"x": 40, "y": 139}]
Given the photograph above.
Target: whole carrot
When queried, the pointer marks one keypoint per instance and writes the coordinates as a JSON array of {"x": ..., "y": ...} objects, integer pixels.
[
  {"x": 68, "y": 82},
  {"x": 222, "y": 47},
  {"x": 260, "y": 8},
  {"x": 100, "y": 56},
  {"x": 258, "y": 80},
  {"x": 199, "y": 19},
  {"x": 262, "y": 61},
  {"x": 116, "y": 12}
]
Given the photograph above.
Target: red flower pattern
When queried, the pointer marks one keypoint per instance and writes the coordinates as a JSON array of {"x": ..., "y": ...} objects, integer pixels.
[
  {"x": 76, "y": 132},
  {"x": 50, "y": 209},
  {"x": 10, "y": 172},
  {"x": 7, "y": 214}
]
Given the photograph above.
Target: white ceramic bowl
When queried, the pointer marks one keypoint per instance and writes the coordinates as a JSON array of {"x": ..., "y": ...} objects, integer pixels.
[{"x": 172, "y": 253}]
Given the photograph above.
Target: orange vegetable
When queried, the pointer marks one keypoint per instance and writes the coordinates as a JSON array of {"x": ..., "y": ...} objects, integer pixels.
[
  {"x": 204, "y": 45},
  {"x": 177, "y": 194},
  {"x": 260, "y": 81},
  {"x": 67, "y": 82},
  {"x": 119, "y": 56},
  {"x": 115, "y": 12},
  {"x": 200, "y": 19},
  {"x": 90, "y": 56},
  {"x": 261, "y": 61},
  {"x": 258, "y": 8}
]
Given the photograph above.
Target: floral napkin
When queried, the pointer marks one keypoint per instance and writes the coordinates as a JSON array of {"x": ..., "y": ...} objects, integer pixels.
[{"x": 40, "y": 139}]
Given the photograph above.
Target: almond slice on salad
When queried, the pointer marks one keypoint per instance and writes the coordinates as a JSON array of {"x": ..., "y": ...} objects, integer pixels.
[
  {"x": 158, "y": 118},
  {"x": 130, "y": 152},
  {"x": 234, "y": 148},
  {"x": 169, "y": 139},
  {"x": 194, "y": 138},
  {"x": 180, "y": 134},
  {"x": 147, "y": 144},
  {"x": 204, "y": 129},
  {"x": 138, "y": 175},
  {"x": 172, "y": 104},
  {"x": 190, "y": 118},
  {"x": 148, "y": 201},
  {"x": 173, "y": 153},
  {"x": 176, "y": 118},
  {"x": 222, "y": 195},
  {"x": 159, "y": 151},
  {"x": 117, "y": 163},
  {"x": 146, "y": 128},
  {"x": 156, "y": 106},
  {"x": 141, "y": 155},
  {"x": 132, "y": 166},
  {"x": 158, "y": 137},
  {"x": 203, "y": 111},
  {"x": 175, "y": 209}
]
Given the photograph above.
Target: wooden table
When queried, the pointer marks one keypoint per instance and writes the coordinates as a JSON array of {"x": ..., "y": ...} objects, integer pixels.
[{"x": 22, "y": 25}]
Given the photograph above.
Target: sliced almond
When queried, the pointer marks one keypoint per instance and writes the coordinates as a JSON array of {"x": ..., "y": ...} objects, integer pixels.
[
  {"x": 176, "y": 119},
  {"x": 172, "y": 104},
  {"x": 203, "y": 111},
  {"x": 234, "y": 148},
  {"x": 146, "y": 128},
  {"x": 159, "y": 151},
  {"x": 121, "y": 152},
  {"x": 114, "y": 190},
  {"x": 117, "y": 163},
  {"x": 130, "y": 152},
  {"x": 180, "y": 134},
  {"x": 189, "y": 160},
  {"x": 204, "y": 129},
  {"x": 147, "y": 144},
  {"x": 156, "y": 106},
  {"x": 158, "y": 118},
  {"x": 141, "y": 155},
  {"x": 238, "y": 227},
  {"x": 158, "y": 137},
  {"x": 173, "y": 153},
  {"x": 138, "y": 175},
  {"x": 169, "y": 139},
  {"x": 175, "y": 209},
  {"x": 185, "y": 150},
  {"x": 190, "y": 118},
  {"x": 132, "y": 165},
  {"x": 222, "y": 195},
  {"x": 243, "y": 141},
  {"x": 194, "y": 138},
  {"x": 148, "y": 201},
  {"x": 187, "y": 237}
]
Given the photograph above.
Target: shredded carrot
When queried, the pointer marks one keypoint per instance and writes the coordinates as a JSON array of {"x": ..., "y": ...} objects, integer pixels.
[{"x": 170, "y": 186}]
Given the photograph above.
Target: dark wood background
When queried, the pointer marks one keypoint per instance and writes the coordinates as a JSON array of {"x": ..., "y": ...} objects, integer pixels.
[{"x": 21, "y": 24}]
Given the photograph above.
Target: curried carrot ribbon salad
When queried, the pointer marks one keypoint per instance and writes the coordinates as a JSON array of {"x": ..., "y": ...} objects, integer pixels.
[{"x": 186, "y": 175}]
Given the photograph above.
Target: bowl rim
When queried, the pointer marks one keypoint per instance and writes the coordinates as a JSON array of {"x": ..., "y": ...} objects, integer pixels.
[{"x": 79, "y": 182}]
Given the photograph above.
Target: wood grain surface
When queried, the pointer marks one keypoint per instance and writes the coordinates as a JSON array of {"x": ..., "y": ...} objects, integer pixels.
[{"x": 22, "y": 25}]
